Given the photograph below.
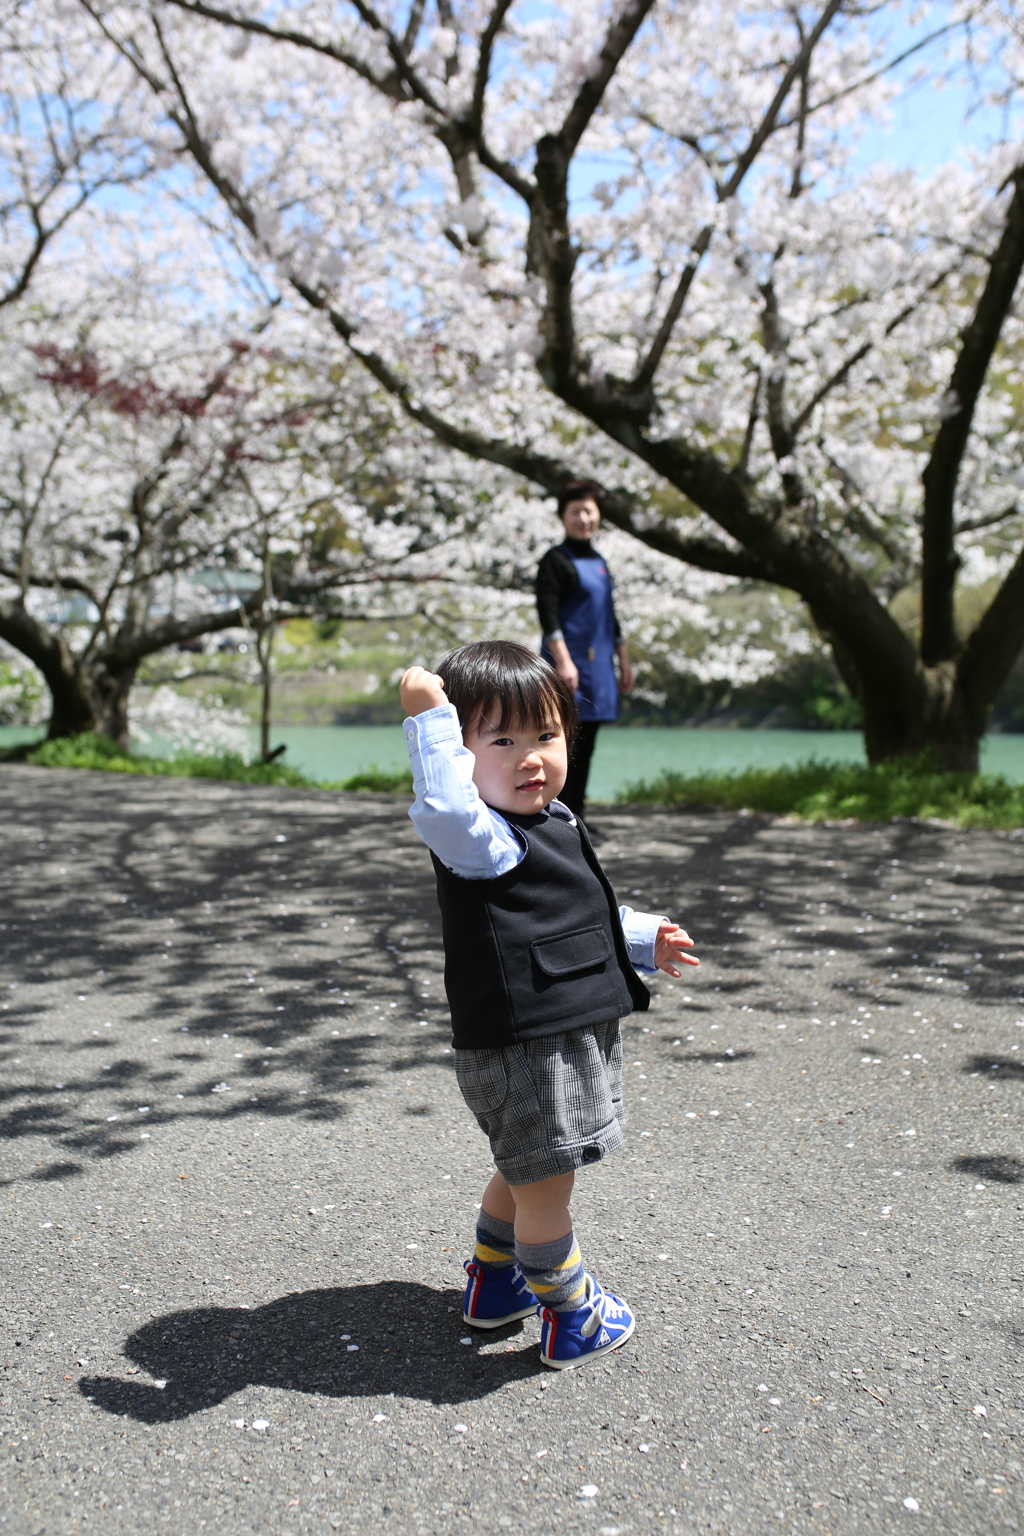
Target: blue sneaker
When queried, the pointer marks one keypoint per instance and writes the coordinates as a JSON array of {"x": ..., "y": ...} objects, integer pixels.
[
  {"x": 572, "y": 1338},
  {"x": 495, "y": 1296}
]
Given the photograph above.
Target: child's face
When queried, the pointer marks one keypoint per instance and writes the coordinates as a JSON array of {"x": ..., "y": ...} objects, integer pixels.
[{"x": 519, "y": 769}]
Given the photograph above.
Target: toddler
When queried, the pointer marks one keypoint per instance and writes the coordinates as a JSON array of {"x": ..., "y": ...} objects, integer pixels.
[{"x": 540, "y": 966}]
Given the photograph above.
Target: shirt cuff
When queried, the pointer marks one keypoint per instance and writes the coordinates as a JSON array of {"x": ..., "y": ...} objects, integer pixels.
[
  {"x": 434, "y": 725},
  {"x": 556, "y": 634},
  {"x": 641, "y": 931}
]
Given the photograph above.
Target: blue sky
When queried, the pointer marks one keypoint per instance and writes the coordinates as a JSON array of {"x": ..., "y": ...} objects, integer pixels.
[{"x": 930, "y": 125}]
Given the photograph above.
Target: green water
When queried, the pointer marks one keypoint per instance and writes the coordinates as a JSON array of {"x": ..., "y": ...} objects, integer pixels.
[{"x": 622, "y": 756}]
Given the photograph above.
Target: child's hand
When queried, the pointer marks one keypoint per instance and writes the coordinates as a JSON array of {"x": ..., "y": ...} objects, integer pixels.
[
  {"x": 668, "y": 946},
  {"x": 421, "y": 690}
]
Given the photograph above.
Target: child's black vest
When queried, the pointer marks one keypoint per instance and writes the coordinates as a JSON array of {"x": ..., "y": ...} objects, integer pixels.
[{"x": 539, "y": 949}]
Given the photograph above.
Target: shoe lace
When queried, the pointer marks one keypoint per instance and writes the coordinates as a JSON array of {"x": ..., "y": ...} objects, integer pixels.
[{"x": 603, "y": 1308}]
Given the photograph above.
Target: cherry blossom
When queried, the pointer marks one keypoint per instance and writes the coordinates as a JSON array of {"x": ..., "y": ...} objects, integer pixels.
[{"x": 638, "y": 242}]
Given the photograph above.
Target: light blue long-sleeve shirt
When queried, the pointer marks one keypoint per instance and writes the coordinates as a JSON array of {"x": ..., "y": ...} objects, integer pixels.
[{"x": 472, "y": 840}]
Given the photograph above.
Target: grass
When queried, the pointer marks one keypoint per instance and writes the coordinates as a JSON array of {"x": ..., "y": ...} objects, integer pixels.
[
  {"x": 88, "y": 751},
  {"x": 380, "y": 780},
  {"x": 820, "y": 791},
  {"x": 816, "y": 791}
]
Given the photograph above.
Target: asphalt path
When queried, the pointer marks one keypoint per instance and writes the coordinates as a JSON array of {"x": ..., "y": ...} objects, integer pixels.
[{"x": 238, "y": 1184}]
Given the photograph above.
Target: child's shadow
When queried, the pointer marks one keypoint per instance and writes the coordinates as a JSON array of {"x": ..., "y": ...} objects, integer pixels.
[{"x": 407, "y": 1336}]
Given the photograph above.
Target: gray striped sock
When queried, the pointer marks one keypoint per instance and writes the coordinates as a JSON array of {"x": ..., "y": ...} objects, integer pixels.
[
  {"x": 495, "y": 1241},
  {"x": 554, "y": 1272}
]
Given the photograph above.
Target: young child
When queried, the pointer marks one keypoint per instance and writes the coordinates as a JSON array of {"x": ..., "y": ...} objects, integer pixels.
[{"x": 539, "y": 969}]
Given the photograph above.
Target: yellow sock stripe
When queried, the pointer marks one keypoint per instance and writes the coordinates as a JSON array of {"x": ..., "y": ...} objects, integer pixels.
[
  {"x": 543, "y": 1290},
  {"x": 574, "y": 1261},
  {"x": 491, "y": 1255},
  {"x": 554, "y": 1286}
]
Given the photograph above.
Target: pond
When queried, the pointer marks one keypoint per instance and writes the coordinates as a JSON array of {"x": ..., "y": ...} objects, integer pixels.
[{"x": 622, "y": 756}]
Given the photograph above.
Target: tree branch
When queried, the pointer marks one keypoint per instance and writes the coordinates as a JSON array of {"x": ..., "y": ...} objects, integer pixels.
[
  {"x": 940, "y": 562},
  {"x": 620, "y": 35},
  {"x": 454, "y": 134},
  {"x": 550, "y": 474},
  {"x": 50, "y": 583},
  {"x": 845, "y": 368},
  {"x": 875, "y": 74},
  {"x": 644, "y": 377},
  {"x": 768, "y": 122},
  {"x": 753, "y": 416},
  {"x": 388, "y": 84},
  {"x": 973, "y": 524},
  {"x": 866, "y": 520},
  {"x": 550, "y": 250},
  {"x": 413, "y": 25},
  {"x": 43, "y": 236},
  {"x": 128, "y": 651},
  {"x": 52, "y": 655},
  {"x": 776, "y": 343},
  {"x": 994, "y": 644},
  {"x": 488, "y": 38}
]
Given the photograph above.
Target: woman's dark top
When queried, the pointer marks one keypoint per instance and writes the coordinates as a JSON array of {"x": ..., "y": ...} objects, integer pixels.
[
  {"x": 538, "y": 950},
  {"x": 558, "y": 579}
]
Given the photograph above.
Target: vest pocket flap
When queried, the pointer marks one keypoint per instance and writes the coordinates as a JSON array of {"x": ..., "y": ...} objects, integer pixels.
[{"x": 569, "y": 952}]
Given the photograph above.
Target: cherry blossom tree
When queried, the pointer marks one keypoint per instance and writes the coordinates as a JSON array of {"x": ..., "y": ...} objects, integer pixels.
[
  {"x": 67, "y": 136},
  {"x": 145, "y": 445},
  {"x": 639, "y": 242}
]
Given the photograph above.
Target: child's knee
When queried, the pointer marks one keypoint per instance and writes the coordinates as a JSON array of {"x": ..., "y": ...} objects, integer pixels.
[{"x": 545, "y": 1192}]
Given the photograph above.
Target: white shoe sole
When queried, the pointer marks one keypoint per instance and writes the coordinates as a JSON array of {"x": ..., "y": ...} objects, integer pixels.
[
  {"x": 593, "y": 1354},
  {"x": 498, "y": 1322}
]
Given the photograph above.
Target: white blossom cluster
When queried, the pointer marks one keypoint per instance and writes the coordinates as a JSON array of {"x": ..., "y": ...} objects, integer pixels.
[{"x": 163, "y": 719}]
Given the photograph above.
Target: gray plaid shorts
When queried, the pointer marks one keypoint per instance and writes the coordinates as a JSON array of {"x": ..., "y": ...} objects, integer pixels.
[{"x": 547, "y": 1106}]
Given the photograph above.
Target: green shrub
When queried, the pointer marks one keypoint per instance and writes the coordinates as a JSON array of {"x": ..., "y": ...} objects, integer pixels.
[
  {"x": 380, "y": 780},
  {"x": 88, "y": 751},
  {"x": 820, "y": 791}
]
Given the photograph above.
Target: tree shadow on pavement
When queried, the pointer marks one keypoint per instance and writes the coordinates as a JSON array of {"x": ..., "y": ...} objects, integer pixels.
[
  {"x": 999, "y": 1169},
  {"x": 994, "y": 1067},
  {"x": 717, "y": 1058},
  {"x": 406, "y": 1339}
]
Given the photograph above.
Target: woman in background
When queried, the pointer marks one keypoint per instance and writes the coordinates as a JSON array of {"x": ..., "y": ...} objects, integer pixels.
[{"x": 581, "y": 633}]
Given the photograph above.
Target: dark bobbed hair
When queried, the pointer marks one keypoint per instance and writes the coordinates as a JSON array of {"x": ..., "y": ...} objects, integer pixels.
[
  {"x": 578, "y": 490},
  {"x": 507, "y": 685}
]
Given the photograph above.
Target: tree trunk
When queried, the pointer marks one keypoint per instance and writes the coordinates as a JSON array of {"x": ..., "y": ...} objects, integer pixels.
[
  {"x": 111, "y": 688},
  {"x": 92, "y": 694},
  {"x": 72, "y": 704},
  {"x": 91, "y": 697},
  {"x": 264, "y": 647},
  {"x": 938, "y": 717}
]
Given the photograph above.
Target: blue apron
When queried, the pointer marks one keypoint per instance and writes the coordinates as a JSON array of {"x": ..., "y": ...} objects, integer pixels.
[{"x": 587, "y": 620}]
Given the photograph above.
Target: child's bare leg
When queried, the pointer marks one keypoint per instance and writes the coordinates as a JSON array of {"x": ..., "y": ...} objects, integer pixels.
[
  {"x": 542, "y": 1209},
  {"x": 539, "y": 1212},
  {"x": 498, "y": 1200}
]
